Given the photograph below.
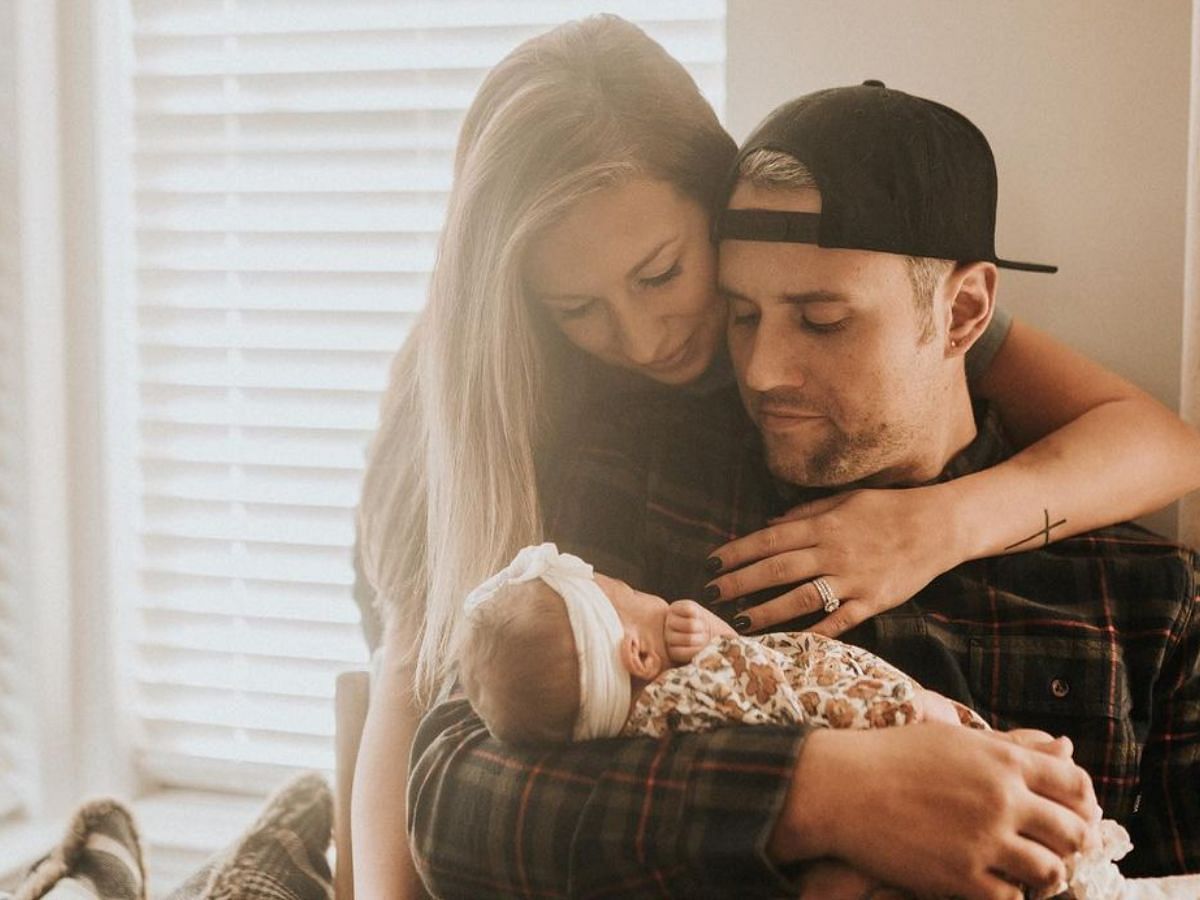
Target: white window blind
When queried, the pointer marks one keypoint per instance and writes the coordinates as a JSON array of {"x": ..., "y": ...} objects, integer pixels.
[{"x": 287, "y": 164}]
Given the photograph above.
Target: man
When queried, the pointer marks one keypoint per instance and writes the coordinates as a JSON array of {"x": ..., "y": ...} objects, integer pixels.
[{"x": 847, "y": 331}]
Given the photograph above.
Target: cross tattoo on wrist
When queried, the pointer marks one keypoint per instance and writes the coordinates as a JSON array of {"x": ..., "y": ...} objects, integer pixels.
[{"x": 1043, "y": 532}]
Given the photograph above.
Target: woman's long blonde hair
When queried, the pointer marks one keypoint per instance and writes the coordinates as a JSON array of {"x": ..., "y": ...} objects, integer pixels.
[{"x": 450, "y": 492}]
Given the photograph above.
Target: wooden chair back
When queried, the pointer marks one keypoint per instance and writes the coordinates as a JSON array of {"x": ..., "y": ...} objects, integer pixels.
[{"x": 351, "y": 696}]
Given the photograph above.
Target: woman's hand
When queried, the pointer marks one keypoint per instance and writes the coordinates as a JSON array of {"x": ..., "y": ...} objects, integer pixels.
[
  {"x": 874, "y": 548},
  {"x": 689, "y": 627}
]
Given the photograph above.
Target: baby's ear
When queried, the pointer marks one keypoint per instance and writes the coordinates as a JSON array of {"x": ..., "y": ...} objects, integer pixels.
[{"x": 638, "y": 657}]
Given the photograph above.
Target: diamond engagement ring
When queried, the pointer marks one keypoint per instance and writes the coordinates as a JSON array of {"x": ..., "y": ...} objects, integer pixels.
[{"x": 828, "y": 598}]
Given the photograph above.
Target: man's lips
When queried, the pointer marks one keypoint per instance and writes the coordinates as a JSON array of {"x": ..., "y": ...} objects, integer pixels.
[{"x": 785, "y": 417}]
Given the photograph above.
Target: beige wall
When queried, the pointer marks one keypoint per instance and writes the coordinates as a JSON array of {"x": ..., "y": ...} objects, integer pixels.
[
  {"x": 1189, "y": 521},
  {"x": 1085, "y": 103}
]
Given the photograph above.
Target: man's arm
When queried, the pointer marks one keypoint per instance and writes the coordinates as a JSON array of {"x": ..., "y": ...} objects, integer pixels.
[
  {"x": 688, "y": 815},
  {"x": 930, "y": 807},
  {"x": 1166, "y": 826}
]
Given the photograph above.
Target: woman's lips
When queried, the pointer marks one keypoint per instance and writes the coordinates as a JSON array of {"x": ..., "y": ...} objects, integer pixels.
[{"x": 672, "y": 359}]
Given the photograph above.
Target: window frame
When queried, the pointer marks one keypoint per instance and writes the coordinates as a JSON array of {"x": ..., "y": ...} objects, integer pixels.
[
  {"x": 46, "y": 768},
  {"x": 68, "y": 691}
]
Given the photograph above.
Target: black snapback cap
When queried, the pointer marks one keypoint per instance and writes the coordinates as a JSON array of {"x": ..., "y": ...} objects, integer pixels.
[{"x": 897, "y": 174}]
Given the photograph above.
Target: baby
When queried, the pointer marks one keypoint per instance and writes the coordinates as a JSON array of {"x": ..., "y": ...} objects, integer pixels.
[{"x": 554, "y": 651}]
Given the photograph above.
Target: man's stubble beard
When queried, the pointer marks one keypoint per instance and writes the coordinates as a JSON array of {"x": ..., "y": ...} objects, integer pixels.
[
  {"x": 838, "y": 459},
  {"x": 879, "y": 454}
]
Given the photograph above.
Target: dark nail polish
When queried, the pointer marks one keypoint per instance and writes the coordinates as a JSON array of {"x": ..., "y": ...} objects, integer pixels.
[
  {"x": 713, "y": 564},
  {"x": 711, "y": 593},
  {"x": 741, "y": 624}
]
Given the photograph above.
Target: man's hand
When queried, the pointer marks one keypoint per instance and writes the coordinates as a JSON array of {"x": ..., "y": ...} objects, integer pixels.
[
  {"x": 937, "y": 809},
  {"x": 689, "y": 627},
  {"x": 874, "y": 548}
]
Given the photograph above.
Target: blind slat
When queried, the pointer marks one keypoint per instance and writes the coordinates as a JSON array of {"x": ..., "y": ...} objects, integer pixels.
[
  {"x": 368, "y": 53},
  {"x": 197, "y": 17},
  {"x": 198, "y": 368},
  {"x": 334, "y": 130},
  {"x": 238, "y": 641},
  {"x": 267, "y": 600},
  {"x": 349, "y": 291},
  {"x": 279, "y": 214}
]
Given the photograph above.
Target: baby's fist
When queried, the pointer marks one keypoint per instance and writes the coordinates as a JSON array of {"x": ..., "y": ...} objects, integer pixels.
[{"x": 688, "y": 628}]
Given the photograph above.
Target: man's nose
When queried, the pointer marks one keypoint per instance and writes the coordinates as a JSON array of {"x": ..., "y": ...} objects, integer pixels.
[{"x": 771, "y": 362}]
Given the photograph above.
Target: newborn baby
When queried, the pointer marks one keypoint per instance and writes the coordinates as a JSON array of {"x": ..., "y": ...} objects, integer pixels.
[{"x": 554, "y": 651}]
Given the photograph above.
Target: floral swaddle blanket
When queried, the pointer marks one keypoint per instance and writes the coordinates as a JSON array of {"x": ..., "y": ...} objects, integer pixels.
[{"x": 789, "y": 678}]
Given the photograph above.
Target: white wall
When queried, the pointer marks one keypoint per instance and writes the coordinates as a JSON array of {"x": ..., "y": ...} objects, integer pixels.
[{"x": 1085, "y": 103}]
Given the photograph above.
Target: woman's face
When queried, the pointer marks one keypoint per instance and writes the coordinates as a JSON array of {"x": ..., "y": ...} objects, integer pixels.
[{"x": 628, "y": 276}]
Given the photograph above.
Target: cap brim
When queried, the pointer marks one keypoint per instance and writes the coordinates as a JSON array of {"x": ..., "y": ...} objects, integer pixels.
[{"x": 1025, "y": 266}]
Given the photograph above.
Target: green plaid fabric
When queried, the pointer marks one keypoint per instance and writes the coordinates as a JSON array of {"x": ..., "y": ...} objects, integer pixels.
[
  {"x": 281, "y": 856},
  {"x": 1097, "y": 637},
  {"x": 686, "y": 816}
]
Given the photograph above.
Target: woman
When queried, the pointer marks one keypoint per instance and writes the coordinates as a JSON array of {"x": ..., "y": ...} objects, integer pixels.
[{"x": 545, "y": 295}]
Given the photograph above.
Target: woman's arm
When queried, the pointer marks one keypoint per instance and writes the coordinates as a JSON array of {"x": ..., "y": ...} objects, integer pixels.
[
  {"x": 1097, "y": 450},
  {"x": 383, "y": 865}
]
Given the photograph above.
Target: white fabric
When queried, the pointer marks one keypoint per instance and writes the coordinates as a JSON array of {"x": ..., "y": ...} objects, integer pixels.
[{"x": 604, "y": 684}]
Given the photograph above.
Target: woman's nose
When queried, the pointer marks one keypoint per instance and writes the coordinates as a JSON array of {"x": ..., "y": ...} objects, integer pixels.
[{"x": 640, "y": 337}]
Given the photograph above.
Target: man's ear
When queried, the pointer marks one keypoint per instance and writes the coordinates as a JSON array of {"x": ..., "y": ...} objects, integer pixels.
[
  {"x": 638, "y": 657},
  {"x": 972, "y": 290}
]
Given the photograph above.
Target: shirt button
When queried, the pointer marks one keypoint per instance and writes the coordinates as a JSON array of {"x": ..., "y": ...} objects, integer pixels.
[{"x": 1059, "y": 688}]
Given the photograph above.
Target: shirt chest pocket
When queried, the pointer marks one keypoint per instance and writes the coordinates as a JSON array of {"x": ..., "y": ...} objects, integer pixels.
[
  {"x": 1073, "y": 687},
  {"x": 1016, "y": 677}
]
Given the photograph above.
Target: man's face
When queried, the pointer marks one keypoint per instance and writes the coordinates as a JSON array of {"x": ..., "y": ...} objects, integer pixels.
[{"x": 830, "y": 357}]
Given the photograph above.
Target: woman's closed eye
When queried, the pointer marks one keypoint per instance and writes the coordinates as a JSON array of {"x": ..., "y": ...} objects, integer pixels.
[
  {"x": 566, "y": 313},
  {"x": 662, "y": 278}
]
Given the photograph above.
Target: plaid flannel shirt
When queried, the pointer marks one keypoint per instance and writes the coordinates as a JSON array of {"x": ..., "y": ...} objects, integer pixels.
[{"x": 1096, "y": 637}]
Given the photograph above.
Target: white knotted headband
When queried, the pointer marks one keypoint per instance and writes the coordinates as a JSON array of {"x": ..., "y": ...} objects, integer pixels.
[{"x": 604, "y": 684}]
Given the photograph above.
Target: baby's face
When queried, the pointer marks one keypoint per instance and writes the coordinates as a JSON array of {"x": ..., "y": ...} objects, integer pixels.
[
  {"x": 645, "y": 613},
  {"x": 633, "y": 606}
]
